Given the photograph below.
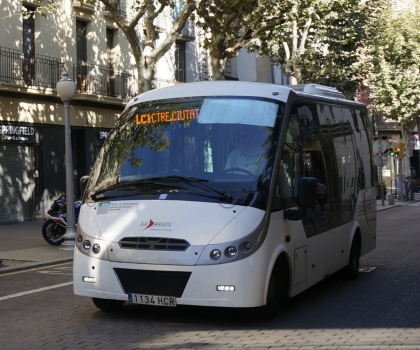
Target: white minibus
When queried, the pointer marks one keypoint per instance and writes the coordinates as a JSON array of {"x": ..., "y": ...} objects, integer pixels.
[{"x": 227, "y": 194}]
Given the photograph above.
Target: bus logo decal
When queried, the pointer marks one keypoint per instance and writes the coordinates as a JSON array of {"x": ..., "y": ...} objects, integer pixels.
[
  {"x": 159, "y": 225},
  {"x": 149, "y": 224}
]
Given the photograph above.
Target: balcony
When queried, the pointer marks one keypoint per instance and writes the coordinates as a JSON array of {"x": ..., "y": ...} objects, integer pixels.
[
  {"x": 43, "y": 72},
  {"x": 102, "y": 80},
  {"x": 88, "y": 5},
  {"x": 35, "y": 70}
]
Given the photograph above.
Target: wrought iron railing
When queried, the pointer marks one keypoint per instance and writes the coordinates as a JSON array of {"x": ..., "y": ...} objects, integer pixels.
[
  {"x": 31, "y": 70},
  {"x": 103, "y": 80}
]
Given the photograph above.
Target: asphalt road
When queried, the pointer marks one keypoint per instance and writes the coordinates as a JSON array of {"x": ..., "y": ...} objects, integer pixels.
[{"x": 379, "y": 310}]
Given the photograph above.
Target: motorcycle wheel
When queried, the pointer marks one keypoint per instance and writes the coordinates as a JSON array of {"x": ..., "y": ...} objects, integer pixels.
[{"x": 53, "y": 233}]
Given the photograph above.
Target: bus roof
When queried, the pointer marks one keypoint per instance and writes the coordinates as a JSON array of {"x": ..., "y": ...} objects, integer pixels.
[
  {"x": 237, "y": 88},
  {"x": 215, "y": 88}
]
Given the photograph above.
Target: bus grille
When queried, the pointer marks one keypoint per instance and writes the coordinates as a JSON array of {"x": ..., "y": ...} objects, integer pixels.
[
  {"x": 153, "y": 243},
  {"x": 163, "y": 283}
]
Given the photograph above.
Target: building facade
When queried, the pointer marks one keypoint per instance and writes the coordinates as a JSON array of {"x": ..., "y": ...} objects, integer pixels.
[{"x": 84, "y": 40}]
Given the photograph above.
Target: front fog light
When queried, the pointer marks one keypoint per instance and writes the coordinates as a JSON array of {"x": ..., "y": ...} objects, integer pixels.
[
  {"x": 216, "y": 254},
  {"x": 79, "y": 239},
  {"x": 231, "y": 252},
  {"x": 89, "y": 279},
  {"x": 225, "y": 288},
  {"x": 86, "y": 245},
  {"x": 96, "y": 248}
]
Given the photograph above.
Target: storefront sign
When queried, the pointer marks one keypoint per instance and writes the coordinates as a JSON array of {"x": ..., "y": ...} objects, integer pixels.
[{"x": 18, "y": 133}]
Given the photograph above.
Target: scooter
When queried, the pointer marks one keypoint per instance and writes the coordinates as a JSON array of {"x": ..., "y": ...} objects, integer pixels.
[{"x": 54, "y": 228}]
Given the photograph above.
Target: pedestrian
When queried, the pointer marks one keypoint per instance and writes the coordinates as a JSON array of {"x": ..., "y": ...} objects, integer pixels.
[
  {"x": 410, "y": 183},
  {"x": 321, "y": 194}
]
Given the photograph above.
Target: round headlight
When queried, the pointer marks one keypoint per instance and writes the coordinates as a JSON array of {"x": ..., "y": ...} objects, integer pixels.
[
  {"x": 86, "y": 245},
  {"x": 79, "y": 239},
  {"x": 231, "y": 252},
  {"x": 215, "y": 254},
  {"x": 248, "y": 245},
  {"x": 96, "y": 248}
]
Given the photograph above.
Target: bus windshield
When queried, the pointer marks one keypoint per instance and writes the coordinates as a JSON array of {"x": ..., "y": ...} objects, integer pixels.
[{"x": 209, "y": 148}]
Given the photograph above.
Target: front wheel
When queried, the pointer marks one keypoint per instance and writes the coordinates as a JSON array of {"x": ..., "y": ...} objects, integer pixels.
[
  {"x": 108, "y": 304},
  {"x": 278, "y": 288},
  {"x": 53, "y": 233}
]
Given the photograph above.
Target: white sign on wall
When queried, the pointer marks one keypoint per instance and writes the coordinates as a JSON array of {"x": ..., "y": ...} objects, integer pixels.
[{"x": 386, "y": 172}]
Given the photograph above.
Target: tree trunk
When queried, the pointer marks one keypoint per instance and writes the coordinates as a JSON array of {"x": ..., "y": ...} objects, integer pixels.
[{"x": 218, "y": 67}]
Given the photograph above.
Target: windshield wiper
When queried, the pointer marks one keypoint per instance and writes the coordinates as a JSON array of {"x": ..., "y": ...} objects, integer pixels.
[
  {"x": 139, "y": 183},
  {"x": 198, "y": 182}
]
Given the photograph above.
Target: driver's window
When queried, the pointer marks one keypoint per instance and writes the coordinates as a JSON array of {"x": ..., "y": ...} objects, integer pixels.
[{"x": 290, "y": 168}]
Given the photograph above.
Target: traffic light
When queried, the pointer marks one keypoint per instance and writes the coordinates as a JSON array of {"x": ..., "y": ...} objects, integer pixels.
[
  {"x": 400, "y": 150},
  {"x": 391, "y": 151}
]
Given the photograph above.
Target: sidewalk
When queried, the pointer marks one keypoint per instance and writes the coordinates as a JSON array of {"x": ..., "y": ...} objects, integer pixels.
[
  {"x": 22, "y": 246},
  {"x": 397, "y": 203}
]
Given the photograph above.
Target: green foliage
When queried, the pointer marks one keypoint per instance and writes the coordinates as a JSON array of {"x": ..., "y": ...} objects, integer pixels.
[
  {"x": 322, "y": 41},
  {"x": 396, "y": 79},
  {"x": 52, "y": 7}
]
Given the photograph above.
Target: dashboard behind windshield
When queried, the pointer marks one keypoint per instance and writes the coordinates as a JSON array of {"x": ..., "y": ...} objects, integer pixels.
[{"x": 226, "y": 142}]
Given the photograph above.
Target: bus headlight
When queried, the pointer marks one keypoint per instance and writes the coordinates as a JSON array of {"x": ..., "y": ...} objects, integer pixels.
[
  {"x": 91, "y": 246},
  {"x": 96, "y": 248},
  {"x": 231, "y": 252},
  {"x": 86, "y": 245},
  {"x": 215, "y": 254}
]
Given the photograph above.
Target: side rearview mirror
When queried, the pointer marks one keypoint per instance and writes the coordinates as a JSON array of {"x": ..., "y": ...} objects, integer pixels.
[
  {"x": 307, "y": 192},
  {"x": 83, "y": 183}
]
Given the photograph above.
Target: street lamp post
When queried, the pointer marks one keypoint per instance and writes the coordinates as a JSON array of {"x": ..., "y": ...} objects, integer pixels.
[{"x": 65, "y": 90}]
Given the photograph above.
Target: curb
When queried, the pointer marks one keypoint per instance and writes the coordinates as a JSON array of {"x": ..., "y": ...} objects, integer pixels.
[{"x": 4, "y": 269}]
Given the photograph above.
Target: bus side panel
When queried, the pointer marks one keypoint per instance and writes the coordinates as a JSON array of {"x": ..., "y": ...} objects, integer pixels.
[
  {"x": 328, "y": 252},
  {"x": 278, "y": 230},
  {"x": 366, "y": 217}
]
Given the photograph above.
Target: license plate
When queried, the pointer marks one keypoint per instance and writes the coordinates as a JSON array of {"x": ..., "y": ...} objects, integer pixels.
[{"x": 151, "y": 300}]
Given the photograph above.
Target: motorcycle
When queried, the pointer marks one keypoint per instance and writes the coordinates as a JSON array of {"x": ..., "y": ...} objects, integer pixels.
[{"x": 54, "y": 228}]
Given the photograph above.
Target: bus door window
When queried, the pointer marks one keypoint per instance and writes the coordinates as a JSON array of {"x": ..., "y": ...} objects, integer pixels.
[{"x": 314, "y": 164}]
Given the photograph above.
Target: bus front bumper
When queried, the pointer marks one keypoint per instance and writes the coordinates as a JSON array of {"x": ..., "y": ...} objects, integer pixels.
[{"x": 99, "y": 279}]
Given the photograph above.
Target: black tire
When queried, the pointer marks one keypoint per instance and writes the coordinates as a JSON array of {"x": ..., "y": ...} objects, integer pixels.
[
  {"x": 352, "y": 270},
  {"x": 108, "y": 304},
  {"x": 278, "y": 289},
  {"x": 53, "y": 233}
]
